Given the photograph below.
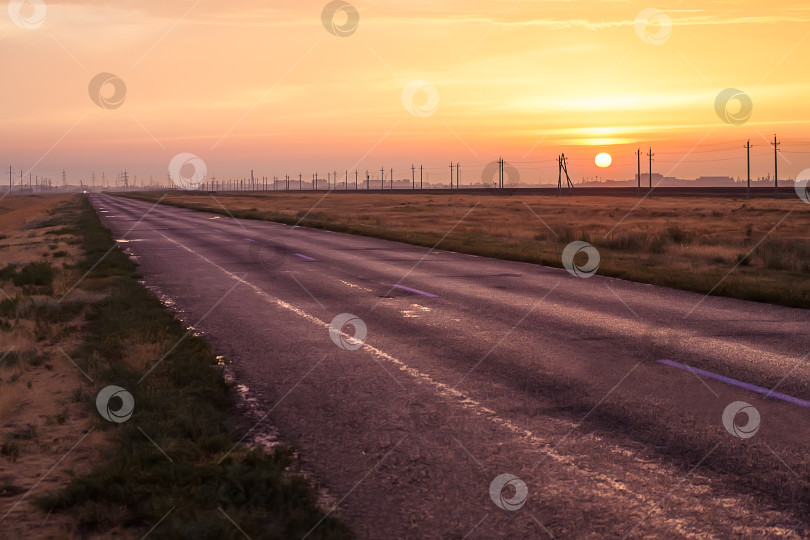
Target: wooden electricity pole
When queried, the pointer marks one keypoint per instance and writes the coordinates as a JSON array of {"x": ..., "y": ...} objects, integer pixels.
[
  {"x": 638, "y": 156},
  {"x": 775, "y": 144},
  {"x": 458, "y": 168},
  {"x": 650, "y": 154},
  {"x": 562, "y": 167},
  {"x": 748, "y": 162}
]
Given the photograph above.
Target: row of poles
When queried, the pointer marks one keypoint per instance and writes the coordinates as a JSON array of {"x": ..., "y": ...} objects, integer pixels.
[
  {"x": 747, "y": 147},
  {"x": 36, "y": 184},
  {"x": 288, "y": 182}
]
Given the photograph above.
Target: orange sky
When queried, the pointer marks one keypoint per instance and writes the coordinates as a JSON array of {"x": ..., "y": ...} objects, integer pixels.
[{"x": 252, "y": 84}]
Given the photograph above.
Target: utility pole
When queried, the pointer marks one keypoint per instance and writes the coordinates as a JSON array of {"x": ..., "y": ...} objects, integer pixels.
[
  {"x": 776, "y": 144},
  {"x": 638, "y": 155},
  {"x": 421, "y": 178},
  {"x": 413, "y": 176},
  {"x": 451, "y": 175},
  {"x": 356, "y": 178},
  {"x": 559, "y": 176},
  {"x": 650, "y": 154},
  {"x": 392, "y": 179},
  {"x": 382, "y": 177},
  {"x": 368, "y": 181},
  {"x": 562, "y": 167},
  {"x": 458, "y": 168},
  {"x": 64, "y": 178},
  {"x": 748, "y": 161}
]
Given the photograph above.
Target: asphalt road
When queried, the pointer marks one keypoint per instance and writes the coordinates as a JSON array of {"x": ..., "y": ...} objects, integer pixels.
[{"x": 473, "y": 368}]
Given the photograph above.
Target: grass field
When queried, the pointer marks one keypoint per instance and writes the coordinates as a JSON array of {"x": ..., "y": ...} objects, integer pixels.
[
  {"x": 751, "y": 249},
  {"x": 176, "y": 468}
]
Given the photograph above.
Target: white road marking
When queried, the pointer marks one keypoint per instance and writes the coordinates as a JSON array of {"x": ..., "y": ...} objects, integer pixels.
[{"x": 442, "y": 389}]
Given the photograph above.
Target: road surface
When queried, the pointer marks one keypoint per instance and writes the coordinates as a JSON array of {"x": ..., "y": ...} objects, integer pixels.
[{"x": 473, "y": 368}]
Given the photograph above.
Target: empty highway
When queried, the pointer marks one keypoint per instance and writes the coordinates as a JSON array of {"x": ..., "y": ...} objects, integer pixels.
[{"x": 466, "y": 369}]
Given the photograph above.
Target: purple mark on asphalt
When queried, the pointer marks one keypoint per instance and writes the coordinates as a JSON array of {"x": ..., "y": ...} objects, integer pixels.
[
  {"x": 747, "y": 386},
  {"x": 305, "y": 257},
  {"x": 417, "y": 291}
]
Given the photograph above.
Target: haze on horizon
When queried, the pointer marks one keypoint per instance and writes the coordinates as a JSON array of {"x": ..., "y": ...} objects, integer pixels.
[{"x": 250, "y": 86}]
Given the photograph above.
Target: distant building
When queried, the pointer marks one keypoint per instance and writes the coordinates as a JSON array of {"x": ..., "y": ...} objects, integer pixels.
[{"x": 714, "y": 181}]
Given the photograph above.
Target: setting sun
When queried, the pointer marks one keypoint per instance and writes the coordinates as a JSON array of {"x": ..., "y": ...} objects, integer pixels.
[{"x": 603, "y": 160}]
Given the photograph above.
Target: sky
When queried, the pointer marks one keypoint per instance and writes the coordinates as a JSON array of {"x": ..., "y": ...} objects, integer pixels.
[{"x": 298, "y": 87}]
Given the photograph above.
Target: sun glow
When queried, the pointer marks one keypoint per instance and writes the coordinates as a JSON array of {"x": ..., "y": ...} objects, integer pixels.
[{"x": 603, "y": 160}]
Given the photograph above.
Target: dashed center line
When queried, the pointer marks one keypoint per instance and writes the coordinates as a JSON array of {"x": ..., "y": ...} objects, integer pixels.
[{"x": 441, "y": 388}]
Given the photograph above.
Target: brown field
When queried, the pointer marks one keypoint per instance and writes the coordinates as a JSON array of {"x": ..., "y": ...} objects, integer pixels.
[
  {"x": 42, "y": 411},
  {"x": 752, "y": 249}
]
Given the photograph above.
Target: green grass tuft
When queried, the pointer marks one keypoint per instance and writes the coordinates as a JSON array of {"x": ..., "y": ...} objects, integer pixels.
[{"x": 40, "y": 274}]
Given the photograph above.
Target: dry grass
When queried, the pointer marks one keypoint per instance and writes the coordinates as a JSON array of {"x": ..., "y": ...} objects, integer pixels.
[
  {"x": 688, "y": 243},
  {"x": 42, "y": 413}
]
